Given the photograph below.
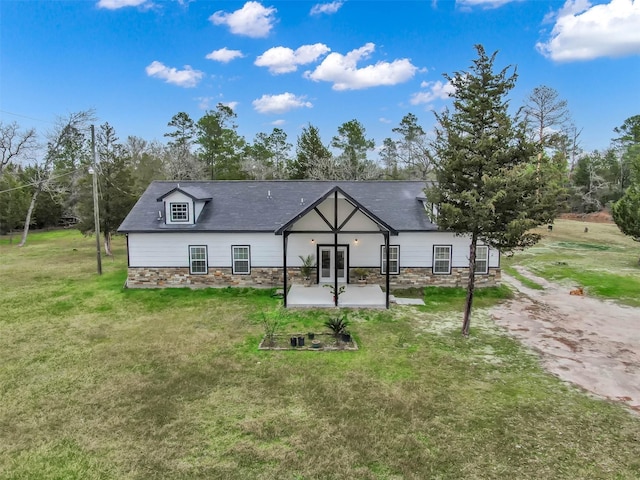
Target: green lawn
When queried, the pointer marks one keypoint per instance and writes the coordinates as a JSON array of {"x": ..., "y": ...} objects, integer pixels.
[
  {"x": 97, "y": 382},
  {"x": 602, "y": 260}
]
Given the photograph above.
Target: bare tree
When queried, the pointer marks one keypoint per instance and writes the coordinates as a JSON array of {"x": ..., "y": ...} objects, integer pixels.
[
  {"x": 546, "y": 116},
  {"x": 43, "y": 180},
  {"x": 15, "y": 144},
  {"x": 341, "y": 167},
  {"x": 414, "y": 148},
  {"x": 182, "y": 164}
]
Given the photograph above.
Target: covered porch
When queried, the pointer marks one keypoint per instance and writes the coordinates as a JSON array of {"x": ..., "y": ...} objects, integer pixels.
[
  {"x": 331, "y": 224},
  {"x": 319, "y": 296}
]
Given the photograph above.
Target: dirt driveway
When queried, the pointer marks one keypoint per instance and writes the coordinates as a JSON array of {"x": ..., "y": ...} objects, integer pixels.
[{"x": 592, "y": 343}]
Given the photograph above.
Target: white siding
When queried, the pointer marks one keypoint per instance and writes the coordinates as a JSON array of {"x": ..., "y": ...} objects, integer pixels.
[{"x": 172, "y": 249}]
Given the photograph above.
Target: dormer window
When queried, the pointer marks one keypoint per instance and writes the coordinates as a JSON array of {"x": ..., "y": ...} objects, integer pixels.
[{"x": 179, "y": 212}]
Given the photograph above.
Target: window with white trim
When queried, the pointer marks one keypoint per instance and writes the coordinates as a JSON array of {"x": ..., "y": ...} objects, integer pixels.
[
  {"x": 482, "y": 259},
  {"x": 179, "y": 212},
  {"x": 198, "y": 264},
  {"x": 442, "y": 259},
  {"x": 241, "y": 256},
  {"x": 394, "y": 259}
]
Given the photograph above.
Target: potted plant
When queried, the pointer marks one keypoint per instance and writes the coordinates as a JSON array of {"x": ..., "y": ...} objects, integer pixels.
[
  {"x": 308, "y": 264},
  {"x": 361, "y": 275},
  {"x": 334, "y": 293}
]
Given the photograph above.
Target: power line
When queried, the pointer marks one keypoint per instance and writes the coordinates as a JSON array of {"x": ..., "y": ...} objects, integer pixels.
[
  {"x": 36, "y": 183},
  {"x": 27, "y": 117}
]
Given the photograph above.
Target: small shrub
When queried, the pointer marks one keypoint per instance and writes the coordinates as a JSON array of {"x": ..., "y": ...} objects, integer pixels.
[
  {"x": 337, "y": 325},
  {"x": 271, "y": 322}
]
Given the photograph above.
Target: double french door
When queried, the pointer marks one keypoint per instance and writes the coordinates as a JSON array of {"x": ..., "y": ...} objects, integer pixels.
[{"x": 329, "y": 259}]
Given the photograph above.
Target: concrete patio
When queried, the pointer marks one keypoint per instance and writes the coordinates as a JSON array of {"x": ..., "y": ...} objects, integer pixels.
[{"x": 354, "y": 296}]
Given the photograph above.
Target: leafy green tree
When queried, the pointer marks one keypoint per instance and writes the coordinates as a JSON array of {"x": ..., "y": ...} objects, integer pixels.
[
  {"x": 352, "y": 140},
  {"x": 389, "y": 158},
  {"x": 596, "y": 175},
  {"x": 58, "y": 161},
  {"x": 184, "y": 130},
  {"x": 116, "y": 187},
  {"x": 487, "y": 188},
  {"x": 628, "y": 144},
  {"x": 626, "y": 213},
  {"x": 179, "y": 161},
  {"x": 14, "y": 199},
  {"x": 309, "y": 151},
  {"x": 145, "y": 160},
  {"x": 221, "y": 147},
  {"x": 268, "y": 156}
]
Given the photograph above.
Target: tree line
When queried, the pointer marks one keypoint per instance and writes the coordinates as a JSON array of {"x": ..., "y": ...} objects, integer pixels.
[
  {"x": 45, "y": 181},
  {"x": 495, "y": 175}
]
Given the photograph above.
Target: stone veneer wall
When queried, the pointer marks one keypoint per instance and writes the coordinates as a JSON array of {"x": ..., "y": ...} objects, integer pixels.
[
  {"x": 423, "y": 277},
  {"x": 141, "y": 277}
]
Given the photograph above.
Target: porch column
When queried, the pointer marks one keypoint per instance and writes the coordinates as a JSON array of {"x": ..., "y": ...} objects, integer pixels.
[
  {"x": 335, "y": 248},
  {"x": 387, "y": 277},
  {"x": 285, "y": 237}
]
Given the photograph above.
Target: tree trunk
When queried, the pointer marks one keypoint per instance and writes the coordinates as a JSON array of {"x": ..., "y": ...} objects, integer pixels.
[
  {"x": 470, "y": 285},
  {"x": 27, "y": 220},
  {"x": 107, "y": 244}
]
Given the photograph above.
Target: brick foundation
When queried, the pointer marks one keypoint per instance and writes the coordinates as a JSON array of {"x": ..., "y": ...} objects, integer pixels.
[{"x": 145, "y": 277}]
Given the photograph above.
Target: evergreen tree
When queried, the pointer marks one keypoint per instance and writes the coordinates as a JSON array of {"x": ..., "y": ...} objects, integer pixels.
[
  {"x": 488, "y": 188},
  {"x": 116, "y": 187},
  {"x": 309, "y": 151},
  {"x": 626, "y": 211},
  {"x": 221, "y": 146},
  {"x": 351, "y": 139}
]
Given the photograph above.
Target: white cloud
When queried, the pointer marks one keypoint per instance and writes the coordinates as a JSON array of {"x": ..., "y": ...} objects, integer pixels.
[
  {"x": 384, "y": 120},
  {"x": 280, "y": 103},
  {"x": 285, "y": 60},
  {"x": 436, "y": 90},
  {"x": 328, "y": 8},
  {"x": 183, "y": 78},
  {"x": 231, "y": 105},
  {"x": 484, "y": 3},
  {"x": 585, "y": 32},
  {"x": 342, "y": 70},
  {"x": 252, "y": 20},
  {"x": 204, "y": 102},
  {"x": 116, "y": 4},
  {"x": 224, "y": 55},
  {"x": 278, "y": 123}
]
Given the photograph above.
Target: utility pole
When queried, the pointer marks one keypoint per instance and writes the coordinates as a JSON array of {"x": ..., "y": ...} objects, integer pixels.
[{"x": 96, "y": 211}]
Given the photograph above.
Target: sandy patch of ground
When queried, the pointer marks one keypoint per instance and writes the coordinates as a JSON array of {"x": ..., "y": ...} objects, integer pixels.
[{"x": 592, "y": 343}]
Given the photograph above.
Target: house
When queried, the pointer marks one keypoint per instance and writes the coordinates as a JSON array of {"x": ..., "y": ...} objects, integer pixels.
[{"x": 247, "y": 233}]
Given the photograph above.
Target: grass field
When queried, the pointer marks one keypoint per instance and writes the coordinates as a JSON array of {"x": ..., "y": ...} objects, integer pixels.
[
  {"x": 602, "y": 259},
  {"x": 99, "y": 382}
]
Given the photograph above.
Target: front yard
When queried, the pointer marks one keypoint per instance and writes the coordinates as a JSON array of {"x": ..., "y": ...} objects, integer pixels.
[{"x": 100, "y": 382}]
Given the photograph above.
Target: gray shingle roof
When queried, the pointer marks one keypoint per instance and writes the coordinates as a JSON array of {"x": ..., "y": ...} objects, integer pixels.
[{"x": 247, "y": 206}]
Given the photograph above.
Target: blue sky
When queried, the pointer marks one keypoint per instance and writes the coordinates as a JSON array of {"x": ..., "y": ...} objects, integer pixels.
[{"x": 287, "y": 64}]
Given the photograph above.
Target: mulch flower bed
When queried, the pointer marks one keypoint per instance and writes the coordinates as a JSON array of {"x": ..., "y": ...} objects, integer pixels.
[{"x": 321, "y": 342}]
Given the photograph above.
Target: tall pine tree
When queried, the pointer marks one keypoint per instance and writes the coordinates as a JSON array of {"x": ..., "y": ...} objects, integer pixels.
[{"x": 487, "y": 186}]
